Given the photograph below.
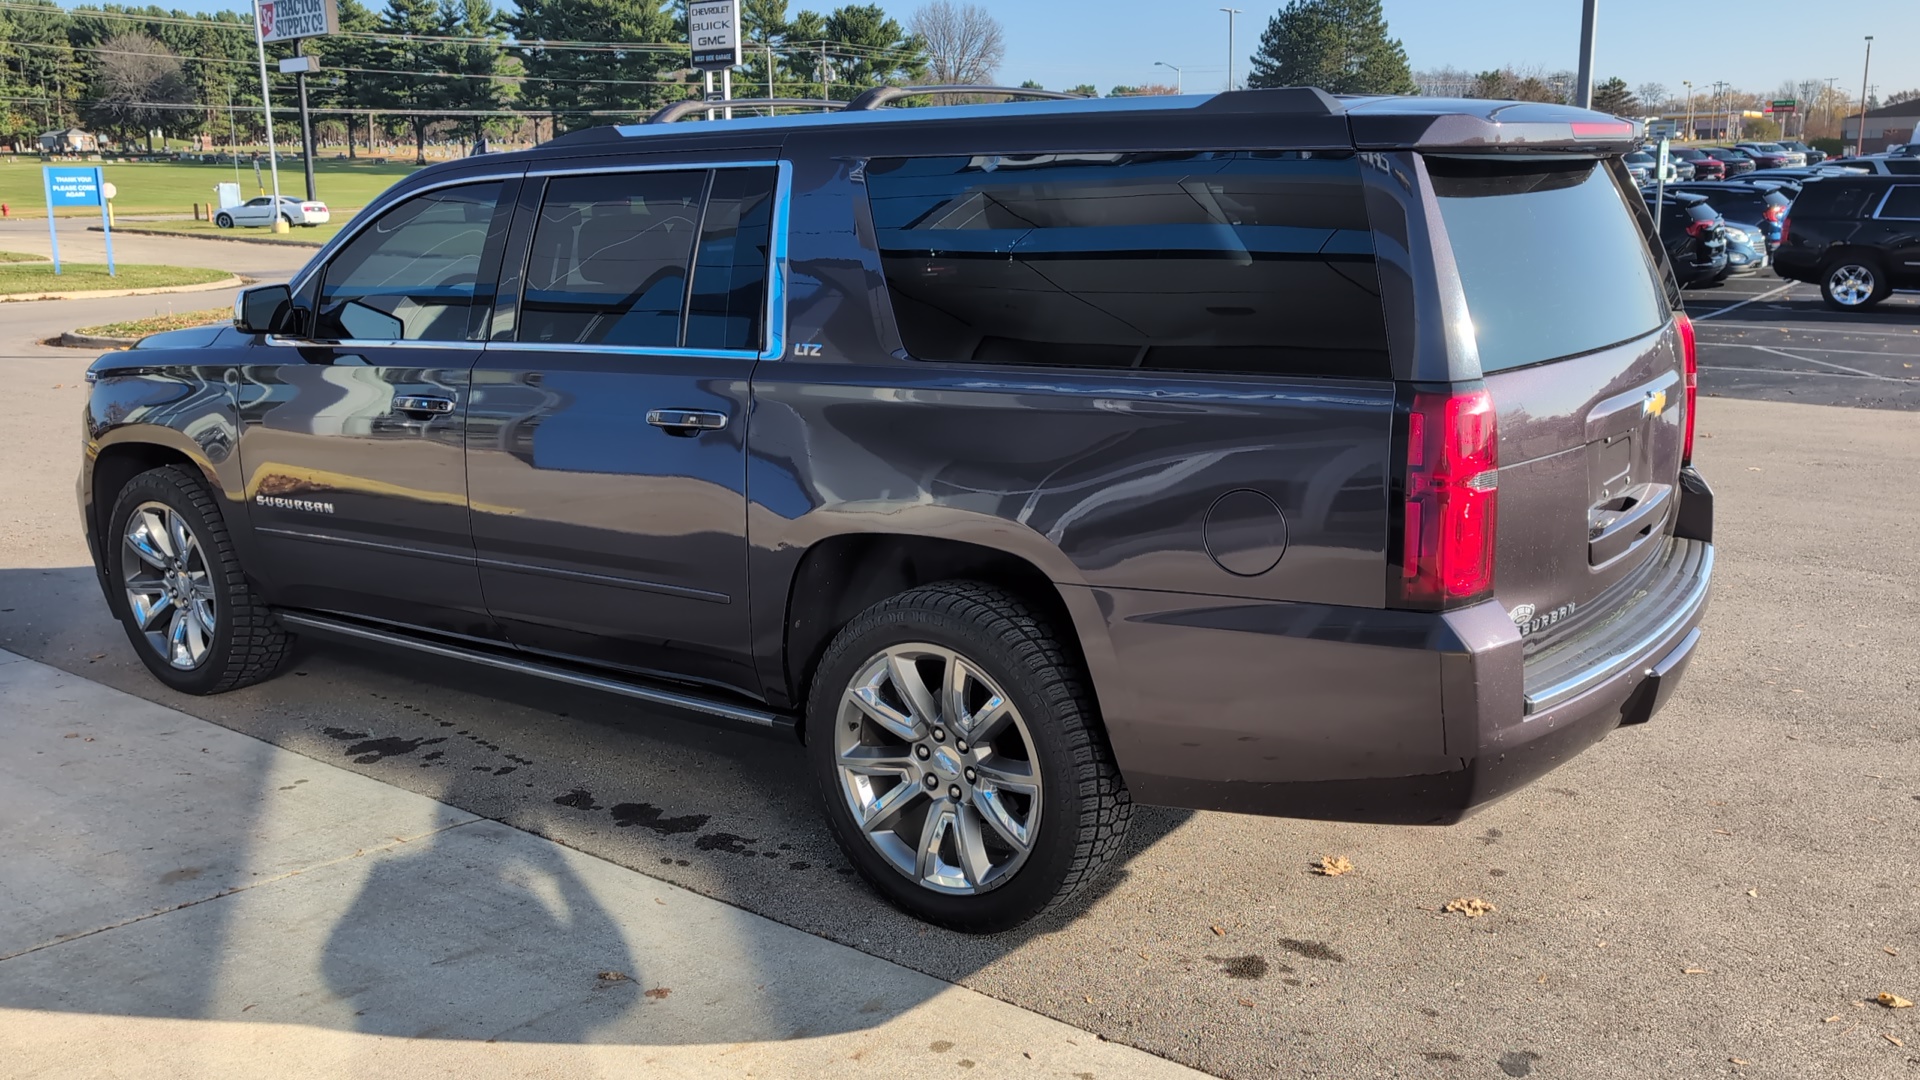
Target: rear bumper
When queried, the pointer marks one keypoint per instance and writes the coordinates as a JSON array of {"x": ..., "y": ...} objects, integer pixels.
[{"x": 1365, "y": 714}]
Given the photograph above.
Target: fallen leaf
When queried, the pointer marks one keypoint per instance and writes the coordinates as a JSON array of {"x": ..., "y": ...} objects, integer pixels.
[
  {"x": 1694, "y": 971},
  {"x": 1740, "y": 1061},
  {"x": 1333, "y": 865},
  {"x": 1144, "y": 956},
  {"x": 1542, "y": 980},
  {"x": 1894, "y": 1001},
  {"x": 1599, "y": 944},
  {"x": 1246, "y": 1002},
  {"x": 71, "y": 735},
  {"x": 612, "y": 976},
  {"x": 658, "y": 993},
  {"x": 1893, "y": 1040},
  {"x": 659, "y": 901},
  {"x": 1753, "y": 892},
  {"x": 1723, "y": 832},
  {"x": 244, "y": 1008},
  {"x": 1218, "y": 932},
  {"x": 1755, "y": 468},
  {"x": 1472, "y": 907},
  {"x": 1890, "y": 950},
  {"x": 1834, "y": 1019},
  {"x": 1088, "y": 1000}
]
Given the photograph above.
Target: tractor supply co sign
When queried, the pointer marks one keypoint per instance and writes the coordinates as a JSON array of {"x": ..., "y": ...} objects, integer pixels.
[
  {"x": 285, "y": 20},
  {"x": 713, "y": 27}
]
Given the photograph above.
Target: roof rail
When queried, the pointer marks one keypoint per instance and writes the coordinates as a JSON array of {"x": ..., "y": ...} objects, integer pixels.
[
  {"x": 679, "y": 110},
  {"x": 881, "y": 95}
]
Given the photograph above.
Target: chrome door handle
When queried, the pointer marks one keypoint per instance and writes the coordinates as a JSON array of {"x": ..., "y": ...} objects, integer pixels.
[
  {"x": 438, "y": 406},
  {"x": 686, "y": 421}
]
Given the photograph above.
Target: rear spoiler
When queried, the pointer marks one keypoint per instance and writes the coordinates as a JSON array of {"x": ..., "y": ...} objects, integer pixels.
[{"x": 1467, "y": 125}]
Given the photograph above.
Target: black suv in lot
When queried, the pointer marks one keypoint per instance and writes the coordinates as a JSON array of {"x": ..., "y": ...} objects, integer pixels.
[
  {"x": 1264, "y": 452},
  {"x": 1857, "y": 237}
]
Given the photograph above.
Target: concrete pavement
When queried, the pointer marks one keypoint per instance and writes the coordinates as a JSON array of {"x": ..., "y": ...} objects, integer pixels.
[{"x": 184, "y": 900}]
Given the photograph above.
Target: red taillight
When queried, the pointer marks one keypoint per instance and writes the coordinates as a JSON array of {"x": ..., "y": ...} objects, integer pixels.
[
  {"x": 1700, "y": 228},
  {"x": 1776, "y": 213},
  {"x": 1786, "y": 226},
  {"x": 1451, "y": 492},
  {"x": 1689, "y": 356}
]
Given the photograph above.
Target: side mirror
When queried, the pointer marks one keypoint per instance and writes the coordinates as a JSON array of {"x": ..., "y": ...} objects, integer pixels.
[{"x": 263, "y": 309}]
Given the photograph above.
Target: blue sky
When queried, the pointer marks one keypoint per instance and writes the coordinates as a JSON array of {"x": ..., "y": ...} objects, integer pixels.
[{"x": 1114, "y": 42}]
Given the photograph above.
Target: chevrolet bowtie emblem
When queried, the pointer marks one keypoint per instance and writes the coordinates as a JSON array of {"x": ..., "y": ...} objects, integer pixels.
[{"x": 1655, "y": 404}]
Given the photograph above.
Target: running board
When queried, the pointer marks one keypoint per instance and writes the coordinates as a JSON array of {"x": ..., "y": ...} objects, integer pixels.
[{"x": 709, "y": 707}]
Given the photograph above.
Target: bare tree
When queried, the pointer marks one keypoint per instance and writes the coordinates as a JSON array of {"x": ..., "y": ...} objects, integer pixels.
[
  {"x": 964, "y": 44},
  {"x": 138, "y": 85},
  {"x": 1652, "y": 95}
]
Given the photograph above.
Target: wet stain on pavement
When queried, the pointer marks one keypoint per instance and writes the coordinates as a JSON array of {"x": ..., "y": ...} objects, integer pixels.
[
  {"x": 1442, "y": 1055},
  {"x": 1242, "y": 967},
  {"x": 1490, "y": 837},
  {"x": 1517, "y": 1062},
  {"x": 579, "y": 799},
  {"x": 724, "y": 841},
  {"x": 1312, "y": 950},
  {"x": 185, "y": 873},
  {"x": 940, "y": 1046},
  {"x": 342, "y": 734},
  {"x": 648, "y": 816},
  {"x": 798, "y": 865},
  {"x": 368, "y": 751}
]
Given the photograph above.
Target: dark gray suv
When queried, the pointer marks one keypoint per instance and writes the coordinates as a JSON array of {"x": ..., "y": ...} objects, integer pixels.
[{"x": 1265, "y": 452}]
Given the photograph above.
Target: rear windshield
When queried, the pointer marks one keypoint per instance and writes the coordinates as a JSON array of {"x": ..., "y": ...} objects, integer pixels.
[{"x": 1553, "y": 260}]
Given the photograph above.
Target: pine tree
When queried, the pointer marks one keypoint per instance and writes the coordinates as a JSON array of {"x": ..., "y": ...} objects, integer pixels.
[
  {"x": 569, "y": 83},
  {"x": 868, "y": 49},
  {"x": 343, "y": 83},
  {"x": 472, "y": 68},
  {"x": 1340, "y": 46},
  {"x": 1613, "y": 97},
  {"x": 407, "y": 60}
]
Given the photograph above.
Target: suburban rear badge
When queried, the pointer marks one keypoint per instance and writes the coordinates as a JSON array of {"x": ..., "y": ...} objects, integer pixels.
[{"x": 1526, "y": 617}]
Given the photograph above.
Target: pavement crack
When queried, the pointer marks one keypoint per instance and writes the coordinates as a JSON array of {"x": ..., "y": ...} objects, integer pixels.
[{"x": 237, "y": 889}]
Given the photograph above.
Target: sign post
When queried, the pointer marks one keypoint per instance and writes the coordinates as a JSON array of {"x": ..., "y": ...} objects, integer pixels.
[
  {"x": 68, "y": 186},
  {"x": 289, "y": 20},
  {"x": 713, "y": 31}
]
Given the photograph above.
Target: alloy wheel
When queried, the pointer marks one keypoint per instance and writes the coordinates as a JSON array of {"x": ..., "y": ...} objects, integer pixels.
[
  {"x": 938, "y": 769},
  {"x": 1851, "y": 284},
  {"x": 163, "y": 568}
]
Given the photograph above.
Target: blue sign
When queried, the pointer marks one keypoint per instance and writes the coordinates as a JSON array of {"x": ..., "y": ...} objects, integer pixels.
[
  {"x": 73, "y": 187},
  {"x": 76, "y": 187}
]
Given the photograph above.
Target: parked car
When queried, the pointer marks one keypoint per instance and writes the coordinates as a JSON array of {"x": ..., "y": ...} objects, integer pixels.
[
  {"x": 1735, "y": 161},
  {"x": 1768, "y": 155},
  {"x": 1641, "y": 166},
  {"x": 1858, "y": 238},
  {"x": 1746, "y": 247},
  {"x": 1705, "y": 165},
  {"x": 1691, "y": 230},
  {"x": 1763, "y": 204},
  {"x": 259, "y": 212},
  {"x": 1881, "y": 165},
  {"x": 1812, "y": 156},
  {"x": 1026, "y": 461}
]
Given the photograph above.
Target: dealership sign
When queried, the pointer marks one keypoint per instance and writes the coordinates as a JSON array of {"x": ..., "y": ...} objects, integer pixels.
[
  {"x": 713, "y": 28},
  {"x": 285, "y": 20}
]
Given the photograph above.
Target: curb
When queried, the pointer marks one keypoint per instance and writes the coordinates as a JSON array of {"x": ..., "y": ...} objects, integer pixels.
[
  {"x": 71, "y": 340},
  {"x": 179, "y": 235},
  {"x": 108, "y": 294}
]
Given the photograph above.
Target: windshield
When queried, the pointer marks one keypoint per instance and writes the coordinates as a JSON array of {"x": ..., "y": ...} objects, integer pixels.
[
  {"x": 1767, "y": 147},
  {"x": 1639, "y": 159},
  {"x": 1551, "y": 257}
]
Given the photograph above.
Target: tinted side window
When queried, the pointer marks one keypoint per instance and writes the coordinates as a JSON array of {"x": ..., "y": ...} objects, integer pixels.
[
  {"x": 1902, "y": 202},
  {"x": 416, "y": 273},
  {"x": 1831, "y": 200},
  {"x": 729, "y": 297},
  {"x": 1253, "y": 262},
  {"x": 608, "y": 262},
  {"x": 1904, "y": 168}
]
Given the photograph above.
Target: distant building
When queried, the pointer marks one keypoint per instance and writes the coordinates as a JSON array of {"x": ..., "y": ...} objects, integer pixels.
[
  {"x": 70, "y": 141},
  {"x": 1888, "y": 125}
]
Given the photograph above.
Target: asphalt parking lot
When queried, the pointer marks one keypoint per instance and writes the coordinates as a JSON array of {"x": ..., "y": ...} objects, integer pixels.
[{"x": 1720, "y": 893}]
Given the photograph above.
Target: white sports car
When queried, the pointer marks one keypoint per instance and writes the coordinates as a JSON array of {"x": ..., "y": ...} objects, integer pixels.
[{"x": 259, "y": 212}]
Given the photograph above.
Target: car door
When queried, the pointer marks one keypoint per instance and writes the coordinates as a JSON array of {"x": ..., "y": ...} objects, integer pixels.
[
  {"x": 251, "y": 212},
  {"x": 1899, "y": 222},
  {"x": 353, "y": 434},
  {"x": 606, "y": 435}
]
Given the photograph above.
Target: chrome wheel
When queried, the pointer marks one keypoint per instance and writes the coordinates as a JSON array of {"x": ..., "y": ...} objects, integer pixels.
[
  {"x": 1851, "y": 284},
  {"x": 938, "y": 769},
  {"x": 163, "y": 568}
]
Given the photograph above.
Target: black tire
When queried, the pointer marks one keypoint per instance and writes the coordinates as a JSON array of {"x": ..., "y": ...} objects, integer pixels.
[
  {"x": 1854, "y": 283},
  {"x": 1083, "y": 806},
  {"x": 223, "y": 221},
  {"x": 247, "y": 643}
]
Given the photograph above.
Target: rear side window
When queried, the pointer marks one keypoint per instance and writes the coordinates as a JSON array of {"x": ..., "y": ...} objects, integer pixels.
[
  {"x": 608, "y": 265},
  {"x": 1242, "y": 262},
  {"x": 729, "y": 297},
  {"x": 1831, "y": 200},
  {"x": 1904, "y": 168},
  {"x": 1902, "y": 202},
  {"x": 1552, "y": 258}
]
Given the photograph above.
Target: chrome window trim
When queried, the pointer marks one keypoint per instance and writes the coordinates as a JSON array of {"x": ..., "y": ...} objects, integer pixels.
[{"x": 774, "y": 317}]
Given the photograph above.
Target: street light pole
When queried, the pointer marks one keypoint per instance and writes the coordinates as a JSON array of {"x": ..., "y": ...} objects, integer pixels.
[
  {"x": 1689, "y": 87},
  {"x": 1860, "y": 137},
  {"x": 1583, "y": 93},
  {"x": 1179, "y": 77},
  {"x": 1831, "y": 79},
  {"x": 1231, "y": 48}
]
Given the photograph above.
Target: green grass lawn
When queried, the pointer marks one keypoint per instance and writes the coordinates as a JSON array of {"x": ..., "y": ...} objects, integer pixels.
[
  {"x": 38, "y": 277},
  {"x": 299, "y": 234},
  {"x": 169, "y": 188},
  {"x": 18, "y": 256},
  {"x": 154, "y": 324}
]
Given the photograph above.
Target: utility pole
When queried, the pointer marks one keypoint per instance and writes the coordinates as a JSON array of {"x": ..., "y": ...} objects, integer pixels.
[
  {"x": 1583, "y": 93},
  {"x": 1831, "y": 79},
  {"x": 1689, "y": 87},
  {"x": 1860, "y": 136},
  {"x": 306, "y": 118},
  {"x": 770, "y": 93},
  {"x": 266, "y": 110},
  {"x": 1231, "y": 47},
  {"x": 1179, "y": 77}
]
